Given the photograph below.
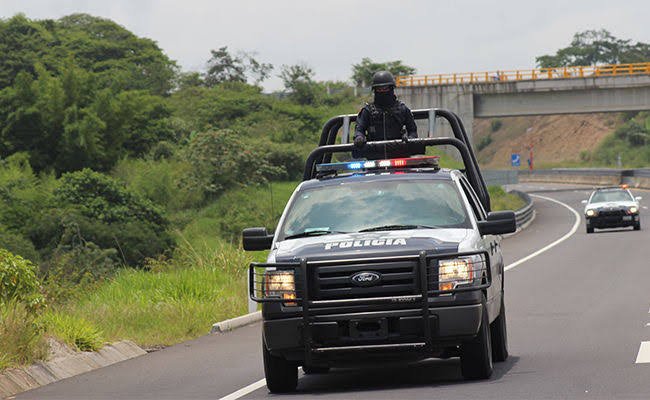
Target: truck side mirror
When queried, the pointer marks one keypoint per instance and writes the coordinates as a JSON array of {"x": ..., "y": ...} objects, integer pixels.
[
  {"x": 498, "y": 223},
  {"x": 256, "y": 239}
]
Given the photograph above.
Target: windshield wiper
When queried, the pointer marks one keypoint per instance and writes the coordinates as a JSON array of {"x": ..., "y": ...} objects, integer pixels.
[
  {"x": 397, "y": 228},
  {"x": 311, "y": 233}
]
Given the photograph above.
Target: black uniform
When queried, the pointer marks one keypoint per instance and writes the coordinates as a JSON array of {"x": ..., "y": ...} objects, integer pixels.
[{"x": 385, "y": 123}]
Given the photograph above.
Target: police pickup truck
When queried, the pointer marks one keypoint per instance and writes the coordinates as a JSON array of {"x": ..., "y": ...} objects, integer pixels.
[{"x": 377, "y": 261}]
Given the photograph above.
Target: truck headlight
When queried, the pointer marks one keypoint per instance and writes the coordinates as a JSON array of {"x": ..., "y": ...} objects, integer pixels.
[
  {"x": 463, "y": 270},
  {"x": 634, "y": 210},
  {"x": 280, "y": 284},
  {"x": 591, "y": 213}
]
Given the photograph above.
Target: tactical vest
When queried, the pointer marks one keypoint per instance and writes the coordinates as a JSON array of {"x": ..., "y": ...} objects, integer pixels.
[{"x": 386, "y": 124}]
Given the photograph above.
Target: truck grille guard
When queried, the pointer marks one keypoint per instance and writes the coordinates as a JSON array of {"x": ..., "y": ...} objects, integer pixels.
[{"x": 428, "y": 286}]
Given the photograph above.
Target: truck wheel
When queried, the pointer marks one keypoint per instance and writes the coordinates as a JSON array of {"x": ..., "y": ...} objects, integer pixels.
[
  {"x": 281, "y": 375},
  {"x": 311, "y": 370},
  {"x": 499, "y": 335},
  {"x": 476, "y": 354},
  {"x": 590, "y": 230},
  {"x": 637, "y": 226}
]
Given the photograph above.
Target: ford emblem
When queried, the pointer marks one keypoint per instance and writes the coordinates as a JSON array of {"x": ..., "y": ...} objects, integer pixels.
[{"x": 366, "y": 278}]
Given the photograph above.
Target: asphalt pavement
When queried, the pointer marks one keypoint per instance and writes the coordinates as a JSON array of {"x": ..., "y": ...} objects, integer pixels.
[{"x": 577, "y": 313}]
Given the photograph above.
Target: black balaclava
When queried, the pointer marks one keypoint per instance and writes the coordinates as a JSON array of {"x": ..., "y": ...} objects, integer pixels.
[{"x": 385, "y": 99}]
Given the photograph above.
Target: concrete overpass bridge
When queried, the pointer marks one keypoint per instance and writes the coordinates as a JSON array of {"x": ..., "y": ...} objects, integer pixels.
[{"x": 564, "y": 90}]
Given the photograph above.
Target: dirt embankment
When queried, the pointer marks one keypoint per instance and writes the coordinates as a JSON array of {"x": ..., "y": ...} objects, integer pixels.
[{"x": 556, "y": 139}]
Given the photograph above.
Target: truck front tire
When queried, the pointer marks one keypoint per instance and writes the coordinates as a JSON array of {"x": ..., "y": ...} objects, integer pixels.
[
  {"x": 281, "y": 375},
  {"x": 499, "y": 334},
  {"x": 476, "y": 354}
]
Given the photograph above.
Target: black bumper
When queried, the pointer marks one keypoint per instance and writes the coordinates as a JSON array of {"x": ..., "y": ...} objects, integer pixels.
[
  {"x": 612, "y": 221},
  {"x": 360, "y": 336},
  {"x": 427, "y": 322}
]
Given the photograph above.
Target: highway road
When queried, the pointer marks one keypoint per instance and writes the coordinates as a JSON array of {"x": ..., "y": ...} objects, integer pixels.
[{"x": 578, "y": 313}]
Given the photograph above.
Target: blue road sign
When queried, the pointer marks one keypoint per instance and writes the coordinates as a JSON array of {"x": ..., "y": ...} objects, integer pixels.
[{"x": 515, "y": 160}]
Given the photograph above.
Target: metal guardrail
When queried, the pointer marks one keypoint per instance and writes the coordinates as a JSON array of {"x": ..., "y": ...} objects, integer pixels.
[
  {"x": 527, "y": 212},
  {"x": 633, "y": 177},
  {"x": 500, "y": 177},
  {"x": 575, "y": 171},
  {"x": 525, "y": 75}
]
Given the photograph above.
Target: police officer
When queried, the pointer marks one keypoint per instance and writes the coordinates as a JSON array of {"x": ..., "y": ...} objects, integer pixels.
[{"x": 383, "y": 119}]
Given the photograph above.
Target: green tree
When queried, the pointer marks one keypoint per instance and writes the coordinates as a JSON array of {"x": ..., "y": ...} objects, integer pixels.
[
  {"x": 363, "y": 71},
  {"x": 593, "y": 47},
  {"x": 298, "y": 81},
  {"x": 67, "y": 123},
  {"x": 118, "y": 58},
  {"x": 226, "y": 67}
]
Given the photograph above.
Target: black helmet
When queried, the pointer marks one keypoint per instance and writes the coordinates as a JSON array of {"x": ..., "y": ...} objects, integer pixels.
[{"x": 382, "y": 78}]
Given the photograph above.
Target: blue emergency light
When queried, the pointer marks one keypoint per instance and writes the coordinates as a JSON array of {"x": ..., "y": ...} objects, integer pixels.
[{"x": 415, "y": 162}]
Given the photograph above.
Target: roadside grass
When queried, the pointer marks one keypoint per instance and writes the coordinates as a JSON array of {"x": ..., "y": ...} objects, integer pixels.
[
  {"x": 21, "y": 336},
  {"x": 501, "y": 200},
  {"x": 75, "y": 331},
  {"x": 176, "y": 300},
  {"x": 225, "y": 218}
]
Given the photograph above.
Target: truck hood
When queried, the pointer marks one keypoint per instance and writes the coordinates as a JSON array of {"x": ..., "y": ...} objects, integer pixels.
[
  {"x": 616, "y": 205},
  {"x": 369, "y": 244}
]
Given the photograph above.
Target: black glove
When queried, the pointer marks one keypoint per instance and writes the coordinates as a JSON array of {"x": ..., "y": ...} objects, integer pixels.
[
  {"x": 405, "y": 138},
  {"x": 359, "y": 141}
]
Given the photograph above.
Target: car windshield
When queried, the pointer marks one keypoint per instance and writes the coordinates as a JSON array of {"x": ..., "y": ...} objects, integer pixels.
[
  {"x": 611, "y": 196},
  {"x": 375, "y": 206}
]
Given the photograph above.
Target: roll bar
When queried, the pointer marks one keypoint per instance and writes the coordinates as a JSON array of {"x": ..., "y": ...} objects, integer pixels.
[{"x": 460, "y": 141}]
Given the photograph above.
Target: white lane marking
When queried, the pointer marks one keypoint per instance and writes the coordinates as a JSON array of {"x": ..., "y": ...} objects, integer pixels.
[
  {"x": 573, "y": 230},
  {"x": 254, "y": 386},
  {"x": 643, "y": 356},
  {"x": 244, "y": 391},
  {"x": 648, "y": 324}
]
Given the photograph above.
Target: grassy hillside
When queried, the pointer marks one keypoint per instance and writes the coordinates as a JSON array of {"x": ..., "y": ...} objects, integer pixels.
[{"x": 557, "y": 140}]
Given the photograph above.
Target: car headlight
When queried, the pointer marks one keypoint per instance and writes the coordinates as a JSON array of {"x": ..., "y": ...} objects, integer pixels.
[
  {"x": 458, "y": 271},
  {"x": 634, "y": 210},
  {"x": 591, "y": 213},
  {"x": 280, "y": 284}
]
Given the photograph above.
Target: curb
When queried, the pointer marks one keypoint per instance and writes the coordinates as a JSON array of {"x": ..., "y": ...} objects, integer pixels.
[
  {"x": 17, "y": 380},
  {"x": 237, "y": 322}
]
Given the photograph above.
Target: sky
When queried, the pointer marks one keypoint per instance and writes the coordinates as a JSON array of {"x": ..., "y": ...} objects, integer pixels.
[{"x": 331, "y": 35}]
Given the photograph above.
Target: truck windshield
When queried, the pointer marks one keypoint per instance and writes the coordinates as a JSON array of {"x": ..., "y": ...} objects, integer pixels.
[
  {"x": 375, "y": 206},
  {"x": 611, "y": 196}
]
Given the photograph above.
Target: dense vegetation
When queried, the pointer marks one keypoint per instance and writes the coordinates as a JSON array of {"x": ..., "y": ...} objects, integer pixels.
[{"x": 124, "y": 183}]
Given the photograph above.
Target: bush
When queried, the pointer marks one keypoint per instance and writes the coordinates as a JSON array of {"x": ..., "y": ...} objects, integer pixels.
[
  {"x": 285, "y": 157},
  {"x": 81, "y": 264},
  {"x": 484, "y": 142},
  {"x": 18, "y": 281},
  {"x": 75, "y": 331},
  {"x": 221, "y": 160},
  {"x": 18, "y": 244},
  {"x": 101, "y": 197},
  {"x": 495, "y": 125},
  {"x": 21, "y": 335},
  {"x": 164, "y": 182},
  {"x": 63, "y": 230}
]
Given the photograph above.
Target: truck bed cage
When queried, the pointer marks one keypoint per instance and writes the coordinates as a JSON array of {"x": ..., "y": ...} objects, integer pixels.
[{"x": 327, "y": 146}]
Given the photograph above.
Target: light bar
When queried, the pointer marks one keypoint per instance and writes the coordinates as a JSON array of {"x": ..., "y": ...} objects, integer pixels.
[{"x": 393, "y": 163}]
